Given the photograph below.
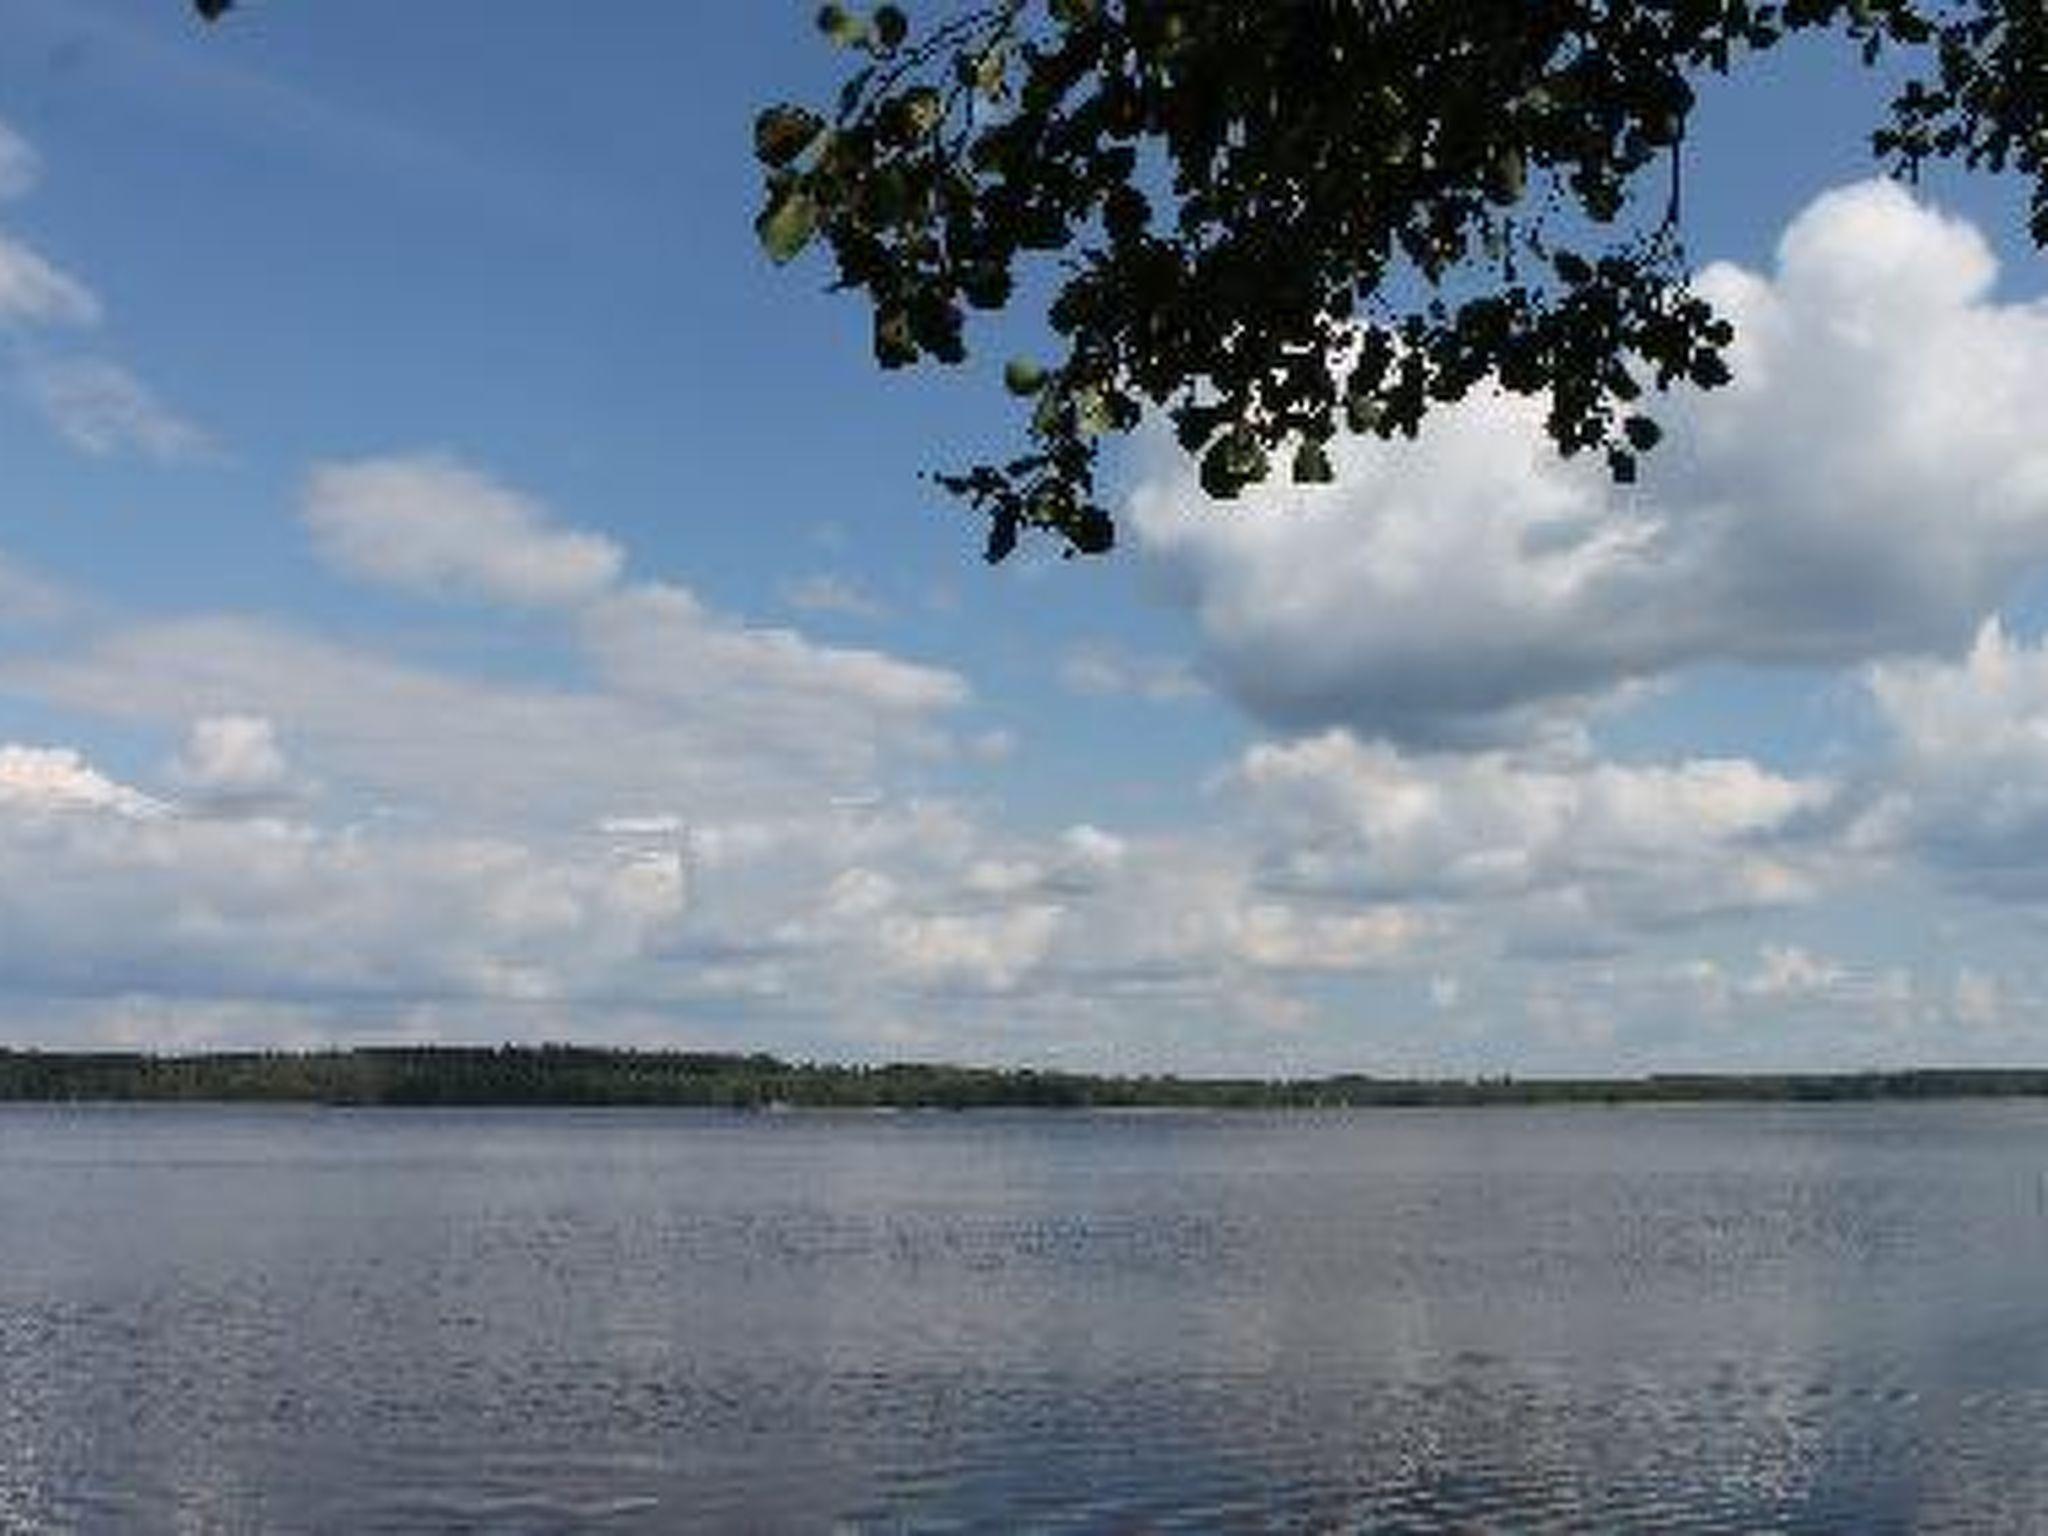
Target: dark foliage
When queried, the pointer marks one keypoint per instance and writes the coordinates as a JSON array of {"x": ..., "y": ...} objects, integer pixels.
[
  {"x": 1283, "y": 221},
  {"x": 575, "y": 1075}
]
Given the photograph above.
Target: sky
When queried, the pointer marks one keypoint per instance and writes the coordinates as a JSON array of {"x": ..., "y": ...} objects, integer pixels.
[{"x": 453, "y": 588}]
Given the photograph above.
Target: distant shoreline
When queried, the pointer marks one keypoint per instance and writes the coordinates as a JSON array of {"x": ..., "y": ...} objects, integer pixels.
[{"x": 588, "y": 1077}]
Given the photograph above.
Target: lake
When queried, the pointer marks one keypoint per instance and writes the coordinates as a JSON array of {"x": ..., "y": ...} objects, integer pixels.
[{"x": 1727, "y": 1318}]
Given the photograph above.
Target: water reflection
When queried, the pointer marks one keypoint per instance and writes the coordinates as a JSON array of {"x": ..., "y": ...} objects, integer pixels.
[{"x": 1729, "y": 1319}]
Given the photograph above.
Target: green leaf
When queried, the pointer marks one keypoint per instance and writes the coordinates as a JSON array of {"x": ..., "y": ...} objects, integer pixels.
[
  {"x": 787, "y": 224},
  {"x": 1091, "y": 412},
  {"x": 923, "y": 110},
  {"x": 782, "y": 133},
  {"x": 1023, "y": 377},
  {"x": 991, "y": 70},
  {"x": 891, "y": 27}
]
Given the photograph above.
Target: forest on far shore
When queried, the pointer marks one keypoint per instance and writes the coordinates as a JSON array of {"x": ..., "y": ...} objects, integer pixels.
[{"x": 579, "y": 1075}]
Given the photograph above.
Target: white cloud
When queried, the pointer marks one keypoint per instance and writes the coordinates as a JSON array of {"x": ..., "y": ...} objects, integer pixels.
[
  {"x": 102, "y": 408},
  {"x": 428, "y": 523},
  {"x": 1873, "y": 483},
  {"x": 1967, "y": 788},
  {"x": 378, "y": 731},
  {"x": 980, "y": 951},
  {"x": 33, "y": 292},
  {"x": 38, "y": 781},
  {"x": 1088, "y": 853},
  {"x": 810, "y": 927},
  {"x": 20, "y": 166},
  {"x": 232, "y": 761},
  {"x": 105, "y": 890},
  {"x": 717, "y": 825},
  {"x": 1787, "y": 970},
  {"x": 1080, "y": 860},
  {"x": 1276, "y": 936},
  {"x": 861, "y": 893},
  {"x": 658, "y": 642},
  {"x": 689, "y": 719},
  {"x": 1580, "y": 849},
  {"x": 706, "y": 686}
]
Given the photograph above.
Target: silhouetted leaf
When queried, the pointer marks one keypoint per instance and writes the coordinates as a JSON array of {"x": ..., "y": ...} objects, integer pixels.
[
  {"x": 783, "y": 133},
  {"x": 1274, "y": 222},
  {"x": 1312, "y": 465}
]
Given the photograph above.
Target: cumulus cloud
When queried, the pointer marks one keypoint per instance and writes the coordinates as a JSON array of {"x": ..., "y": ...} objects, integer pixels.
[
  {"x": 718, "y": 821},
  {"x": 429, "y": 523},
  {"x": 608, "y": 852},
  {"x": 1581, "y": 847},
  {"x": 1081, "y": 859},
  {"x": 39, "y": 781},
  {"x": 1872, "y": 484},
  {"x": 102, "y": 408},
  {"x": 1275, "y": 936},
  {"x": 904, "y": 920},
  {"x": 1967, "y": 787},
  {"x": 104, "y": 891},
  {"x": 233, "y": 762},
  {"x": 974, "y": 951}
]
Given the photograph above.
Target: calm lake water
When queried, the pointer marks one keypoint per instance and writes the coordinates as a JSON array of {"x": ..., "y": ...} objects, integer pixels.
[{"x": 1715, "y": 1319}]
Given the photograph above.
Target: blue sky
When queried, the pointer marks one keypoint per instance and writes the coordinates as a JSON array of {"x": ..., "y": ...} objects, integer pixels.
[{"x": 451, "y": 587}]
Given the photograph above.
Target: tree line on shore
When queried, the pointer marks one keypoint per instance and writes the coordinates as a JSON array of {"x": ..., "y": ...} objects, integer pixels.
[{"x": 579, "y": 1075}]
